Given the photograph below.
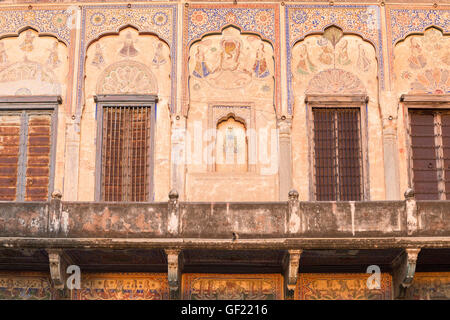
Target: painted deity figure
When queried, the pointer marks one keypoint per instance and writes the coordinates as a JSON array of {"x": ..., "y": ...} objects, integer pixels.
[
  {"x": 229, "y": 57},
  {"x": 27, "y": 44},
  {"x": 53, "y": 59},
  {"x": 128, "y": 49},
  {"x": 343, "y": 57},
  {"x": 3, "y": 56},
  {"x": 158, "y": 58},
  {"x": 98, "y": 60},
  {"x": 201, "y": 69},
  {"x": 417, "y": 59},
  {"x": 363, "y": 62},
  {"x": 305, "y": 65},
  {"x": 260, "y": 66}
]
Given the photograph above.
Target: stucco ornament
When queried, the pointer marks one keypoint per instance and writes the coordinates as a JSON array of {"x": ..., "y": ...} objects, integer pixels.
[
  {"x": 335, "y": 81},
  {"x": 127, "y": 77}
]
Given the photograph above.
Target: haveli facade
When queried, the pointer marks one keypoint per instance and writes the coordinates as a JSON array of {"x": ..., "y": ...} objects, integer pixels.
[{"x": 224, "y": 150}]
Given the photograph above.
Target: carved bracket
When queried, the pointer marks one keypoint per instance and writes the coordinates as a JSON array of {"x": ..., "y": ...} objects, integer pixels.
[
  {"x": 291, "y": 264},
  {"x": 59, "y": 262},
  {"x": 175, "y": 265},
  {"x": 407, "y": 270}
]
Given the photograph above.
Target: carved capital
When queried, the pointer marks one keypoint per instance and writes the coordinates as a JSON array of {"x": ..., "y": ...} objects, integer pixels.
[
  {"x": 174, "y": 265},
  {"x": 291, "y": 264},
  {"x": 59, "y": 262},
  {"x": 284, "y": 126}
]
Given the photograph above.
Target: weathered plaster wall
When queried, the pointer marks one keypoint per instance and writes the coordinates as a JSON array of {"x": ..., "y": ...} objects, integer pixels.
[
  {"x": 231, "y": 75},
  {"x": 335, "y": 64}
]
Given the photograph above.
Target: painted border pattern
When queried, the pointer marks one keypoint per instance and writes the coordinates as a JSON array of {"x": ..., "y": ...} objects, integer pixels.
[
  {"x": 200, "y": 20},
  {"x": 303, "y": 20},
  {"x": 46, "y": 21},
  {"x": 99, "y": 20}
]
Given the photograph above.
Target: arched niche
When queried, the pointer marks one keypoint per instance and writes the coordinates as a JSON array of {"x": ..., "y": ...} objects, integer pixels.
[
  {"x": 33, "y": 64},
  {"x": 422, "y": 63},
  {"x": 231, "y": 145},
  {"x": 128, "y": 63},
  {"x": 333, "y": 49}
]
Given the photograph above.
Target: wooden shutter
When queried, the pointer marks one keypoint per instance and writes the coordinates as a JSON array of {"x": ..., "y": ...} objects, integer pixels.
[
  {"x": 9, "y": 154},
  {"x": 25, "y": 157},
  {"x": 125, "y": 153},
  {"x": 424, "y": 151},
  {"x": 337, "y": 154},
  {"x": 38, "y": 157},
  {"x": 445, "y": 131}
]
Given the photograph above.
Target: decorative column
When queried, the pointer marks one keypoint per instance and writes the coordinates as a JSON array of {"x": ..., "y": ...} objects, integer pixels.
[
  {"x": 71, "y": 160},
  {"x": 285, "y": 163},
  {"x": 390, "y": 146},
  {"x": 178, "y": 154}
]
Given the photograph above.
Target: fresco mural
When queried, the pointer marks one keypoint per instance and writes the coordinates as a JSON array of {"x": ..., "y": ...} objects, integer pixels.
[
  {"x": 25, "y": 286},
  {"x": 422, "y": 63},
  {"x": 430, "y": 286},
  {"x": 232, "y": 287},
  {"x": 341, "y": 286},
  {"x": 122, "y": 286}
]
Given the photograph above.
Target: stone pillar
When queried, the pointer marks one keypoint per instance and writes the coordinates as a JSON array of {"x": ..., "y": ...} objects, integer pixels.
[
  {"x": 178, "y": 154},
  {"x": 71, "y": 160},
  {"x": 285, "y": 157},
  {"x": 173, "y": 219},
  {"x": 412, "y": 219},
  {"x": 390, "y": 151},
  {"x": 389, "y": 113}
]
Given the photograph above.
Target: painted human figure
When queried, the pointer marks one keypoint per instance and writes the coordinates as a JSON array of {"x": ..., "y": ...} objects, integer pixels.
[
  {"x": 363, "y": 62},
  {"x": 128, "y": 49},
  {"x": 98, "y": 60},
  {"x": 305, "y": 64},
  {"x": 27, "y": 44},
  {"x": 343, "y": 57},
  {"x": 53, "y": 59},
  {"x": 260, "y": 65},
  {"x": 201, "y": 69},
  {"x": 158, "y": 58},
  {"x": 417, "y": 59},
  {"x": 326, "y": 56},
  {"x": 3, "y": 56}
]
